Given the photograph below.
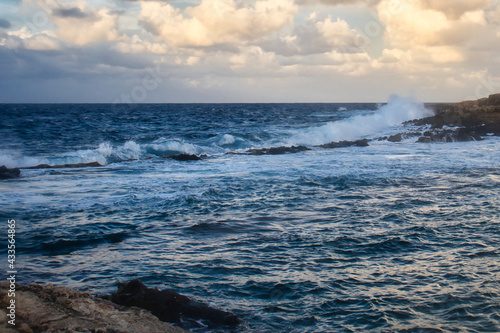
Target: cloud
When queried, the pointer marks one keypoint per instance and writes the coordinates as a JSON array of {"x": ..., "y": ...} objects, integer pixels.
[
  {"x": 4, "y": 23},
  {"x": 216, "y": 22},
  {"x": 416, "y": 24},
  {"x": 338, "y": 2},
  {"x": 135, "y": 44},
  {"x": 77, "y": 23},
  {"x": 338, "y": 34},
  {"x": 73, "y": 12},
  {"x": 453, "y": 9}
]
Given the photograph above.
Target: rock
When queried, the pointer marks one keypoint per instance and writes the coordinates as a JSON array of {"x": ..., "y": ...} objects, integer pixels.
[
  {"x": 168, "y": 305},
  {"x": 395, "y": 138},
  {"x": 424, "y": 139},
  {"x": 184, "y": 157},
  {"x": 276, "y": 150},
  {"x": 475, "y": 118},
  {"x": 450, "y": 135},
  {"x": 343, "y": 144},
  {"x": 6, "y": 173},
  {"x": 60, "y": 166},
  {"x": 60, "y": 309}
]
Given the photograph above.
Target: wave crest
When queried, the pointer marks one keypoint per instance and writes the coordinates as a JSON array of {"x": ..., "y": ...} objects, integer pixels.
[{"x": 395, "y": 112}]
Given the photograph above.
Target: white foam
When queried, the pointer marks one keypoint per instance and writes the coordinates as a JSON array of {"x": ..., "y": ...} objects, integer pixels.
[
  {"x": 397, "y": 111},
  {"x": 13, "y": 159},
  {"x": 105, "y": 153},
  {"x": 227, "y": 139}
]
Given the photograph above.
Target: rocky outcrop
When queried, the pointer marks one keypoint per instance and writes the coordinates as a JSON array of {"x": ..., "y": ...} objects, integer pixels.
[
  {"x": 344, "y": 144},
  {"x": 6, "y": 173},
  {"x": 185, "y": 157},
  {"x": 60, "y": 166},
  {"x": 274, "y": 150},
  {"x": 59, "y": 309},
  {"x": 464, "y": 121},
  {"x": 168, "y": 305}
]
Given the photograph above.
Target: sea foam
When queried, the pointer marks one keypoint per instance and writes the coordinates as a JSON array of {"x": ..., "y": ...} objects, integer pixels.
[{"x": 395, "y": 112}]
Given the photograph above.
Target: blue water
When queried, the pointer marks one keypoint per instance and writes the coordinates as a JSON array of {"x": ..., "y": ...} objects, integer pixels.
[{"x": 394, "y": 237}]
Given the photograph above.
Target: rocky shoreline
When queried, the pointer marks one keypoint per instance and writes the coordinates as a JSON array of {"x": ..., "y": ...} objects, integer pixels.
[
  {"x": 456, "y": 122},
  {"x": 134, "y": 308}
]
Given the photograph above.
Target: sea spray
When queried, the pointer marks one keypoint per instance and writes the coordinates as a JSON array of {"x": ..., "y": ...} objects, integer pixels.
[
  {"x": 104, "y": 154},
  {"x": 395, "y": 112}
]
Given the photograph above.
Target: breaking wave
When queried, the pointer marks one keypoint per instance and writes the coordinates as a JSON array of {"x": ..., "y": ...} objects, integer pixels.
[
  {"x": 105, "y": 153},
  {"x": 395, "y": 112}
]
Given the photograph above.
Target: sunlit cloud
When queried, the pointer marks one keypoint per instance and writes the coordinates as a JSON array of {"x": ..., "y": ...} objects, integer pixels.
[{"x": 210, "y": 47}]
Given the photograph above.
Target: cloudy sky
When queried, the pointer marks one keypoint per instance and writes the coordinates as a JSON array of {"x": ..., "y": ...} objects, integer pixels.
[{"x": 248, "y": 51}]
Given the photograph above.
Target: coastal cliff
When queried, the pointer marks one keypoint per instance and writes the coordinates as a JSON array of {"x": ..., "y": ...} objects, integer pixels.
[{"x": 464, "y": 121}]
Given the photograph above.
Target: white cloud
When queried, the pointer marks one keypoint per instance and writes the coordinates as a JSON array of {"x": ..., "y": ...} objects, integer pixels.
[
  {"x": 454, "y": 9},
  {"x": 100, "y": 26},
  {"x": 215, "y": 22},
  {"x": 417, "y": 24},
  {"x": 76, "y": 22},
  {"x": 338, "y": 33},
  {"x": 136, "y": 45}
]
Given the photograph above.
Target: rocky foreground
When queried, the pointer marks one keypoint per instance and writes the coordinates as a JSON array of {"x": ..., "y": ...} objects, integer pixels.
[
  {"x": 134, "y": 308},
  {"x": 59, "y": 309}
]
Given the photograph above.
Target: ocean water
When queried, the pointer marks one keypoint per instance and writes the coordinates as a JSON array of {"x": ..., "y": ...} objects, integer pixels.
[{"x": 394, "y": 237}]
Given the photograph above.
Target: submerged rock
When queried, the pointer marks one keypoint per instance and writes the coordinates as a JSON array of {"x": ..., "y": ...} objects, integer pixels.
[
  {"x": 6, "y": 173},
  {"x": 343, "y": 144},
  {"x": 60, "y": 309},
  {"x": 59, "y": 166},
  {"x": 168, "y": 305},
  {"x": 275, "y": 150},
  {"x": 185, "y": 157}
]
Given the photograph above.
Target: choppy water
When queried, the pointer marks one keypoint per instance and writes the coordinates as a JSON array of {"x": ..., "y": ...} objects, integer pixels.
[{"x": 394, "y": 237}]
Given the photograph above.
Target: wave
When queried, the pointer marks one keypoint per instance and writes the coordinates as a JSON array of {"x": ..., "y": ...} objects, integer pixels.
[
  {"x": 105, "y": 153},
  {"x": 361, "y": 124},
  {"x": 395, "y": 112}
]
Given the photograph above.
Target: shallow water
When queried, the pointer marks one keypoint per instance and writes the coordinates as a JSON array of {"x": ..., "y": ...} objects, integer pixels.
[{"x": 392, "y": 237}]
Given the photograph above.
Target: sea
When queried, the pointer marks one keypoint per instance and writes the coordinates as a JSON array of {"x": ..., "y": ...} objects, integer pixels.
[{"x": 393, "y": 237}]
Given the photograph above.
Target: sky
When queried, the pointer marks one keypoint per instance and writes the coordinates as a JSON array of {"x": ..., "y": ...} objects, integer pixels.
[{"x": 182, "y": 51}]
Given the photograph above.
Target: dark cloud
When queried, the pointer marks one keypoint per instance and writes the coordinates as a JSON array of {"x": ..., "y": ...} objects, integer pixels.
[
  {"x": 73, "y": 12},
  {"x": 76, "y": 74},
  {"x": 5, "y": 23}
]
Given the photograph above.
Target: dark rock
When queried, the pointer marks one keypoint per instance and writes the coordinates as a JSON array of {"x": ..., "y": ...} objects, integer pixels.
[
  {"x": 343, "y": 144},
  {"x": 479, "y": 117},
  {"x": 450, "y": 135},
  {"x": 59, "y": 166},
  {"x": 59, "y": 309},
  {"x": 184, "y": 157},
  {"x": 493, "y": 99},
  {"x": 277, "y": 150},
  {"x": 168, "y": 305},
  {"x": 6, "y": 173},
  {"x": 424, "y": 139},
  {"x": 395, "y": 138}
]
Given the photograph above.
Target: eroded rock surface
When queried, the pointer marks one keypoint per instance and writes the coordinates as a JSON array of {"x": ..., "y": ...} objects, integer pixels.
[
  {"x": 169, "y": 305},
  {"x": 6, "y": 173},
  {"x": 343, "y": 144},
  {"x": 464, "y": 121},
  {"x": 59, "y": 309}
]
